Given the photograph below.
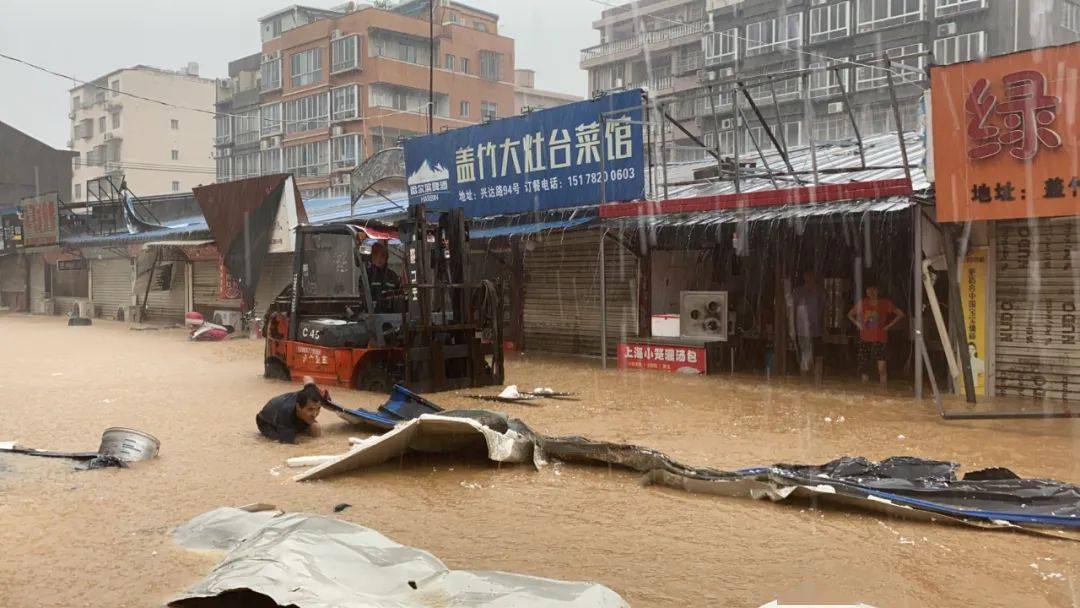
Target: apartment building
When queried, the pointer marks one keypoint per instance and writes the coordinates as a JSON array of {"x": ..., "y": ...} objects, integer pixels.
[
  {"x": 683, "y": 50},
  {"x": 527, "y": 97},
  {"x": 157, "y": 149},
  {"x": 336, "y": 86}
]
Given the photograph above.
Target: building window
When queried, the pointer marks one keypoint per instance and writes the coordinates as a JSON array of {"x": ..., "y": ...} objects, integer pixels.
[
  {"x": 344, "y": 54},
  {"x": 722, "y": 46},
  {"x": 176, "y": 186},
  {"x": 270, "y": 119},
  {"x": 306, "y": 67},
  {"x": 76, "y": 101},
  {"x": 406, "y": 99},
  {"x": 343, "y": 103},
  {"x": 1070, "y": 16},
  {"x": 964, "y": 47},
  {"x": 78, "y": 191},
  {"x": 830, "y": 22},
  {"x": 270, "y": 161},
  {"x": 908, "y": 64},
  {"x": 115, "y": 116},
  {"x": 880, "y": 14},
  {"x": 224, "y": 169},
  {"x": 311, "y": 194},
  {"x": 306, "y": 113},
  {"x": 343, "y": 152},
  {"x": 246, "y": 165},
  {"x": 176, "y": 155},
  {"x": 449, "y": 63},
  {"x": 224, "y": 130},
  {"x": 464, "y": 65},
  {"x": 246, "y": 127},
  {"x": 480, "y": 26},
  {"x": 490, "y": 65},
  {"x": 825, "y": 82},
  {"x": 464, "y": 109},
  {"x": 785, "y": 88},
  {"x": 115, "y": 86},
  {"x": 944, "y": 8},
  {"x": 774, "y": 34},
  {"x": 831, "y": 128},
  {"x": 101, "y": 124},
  {"x": 271, "y": 75},
  {"x": 307, "y": 160},
  {"x": 488, "y": 111},
  {"x": 175, "y": 124}
]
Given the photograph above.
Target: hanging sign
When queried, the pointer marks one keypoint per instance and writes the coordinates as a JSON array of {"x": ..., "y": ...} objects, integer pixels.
[
  {"x": 973, "y": 300},
  {"x": 581, "y": 153},
  {"x": 41, "y": 220},
  {"x": 1012, "y": 122}
]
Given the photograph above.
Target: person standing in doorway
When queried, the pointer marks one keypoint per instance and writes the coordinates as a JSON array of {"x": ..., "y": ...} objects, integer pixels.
[
  {"x": 874, "y": 316},
  {"x": 809, "y": 308},
  {"x": 383, "y": 281}
]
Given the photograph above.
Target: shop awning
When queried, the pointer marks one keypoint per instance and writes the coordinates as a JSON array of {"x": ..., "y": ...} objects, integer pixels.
[
  {"x": 530, "y": 228},
  {"x": 676, "y": 221},
  {"x": 198, "y": 243}
]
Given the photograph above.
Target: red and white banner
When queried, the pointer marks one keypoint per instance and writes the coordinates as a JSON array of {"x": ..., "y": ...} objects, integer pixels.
[{"x": 662, "y": 357}]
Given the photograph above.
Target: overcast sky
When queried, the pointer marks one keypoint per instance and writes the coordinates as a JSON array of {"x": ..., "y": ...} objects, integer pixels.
[{"x": 87, "y": 39}]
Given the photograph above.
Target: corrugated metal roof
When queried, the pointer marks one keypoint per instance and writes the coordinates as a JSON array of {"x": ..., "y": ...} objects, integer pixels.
[
  {"x": 880, "y": 150},
  {"x": 529, "y": 228},
  {"x": 708, "y": 219}
]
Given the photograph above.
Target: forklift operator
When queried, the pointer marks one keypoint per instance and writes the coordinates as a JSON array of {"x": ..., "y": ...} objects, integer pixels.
[{"x": 384, "y": 282}]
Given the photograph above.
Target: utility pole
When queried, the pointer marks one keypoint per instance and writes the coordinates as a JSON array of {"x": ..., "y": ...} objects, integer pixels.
[{"x": 431, "y": 68}]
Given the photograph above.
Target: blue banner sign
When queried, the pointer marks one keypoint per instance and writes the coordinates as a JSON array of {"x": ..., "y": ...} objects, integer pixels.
[{"x": 543, "y": 160}]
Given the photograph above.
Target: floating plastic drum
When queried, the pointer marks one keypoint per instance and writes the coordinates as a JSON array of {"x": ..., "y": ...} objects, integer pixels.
[{"x": 128, "y": 445}]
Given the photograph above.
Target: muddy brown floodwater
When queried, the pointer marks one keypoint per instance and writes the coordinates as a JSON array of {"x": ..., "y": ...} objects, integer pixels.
[{"x": 100, "y": 538}]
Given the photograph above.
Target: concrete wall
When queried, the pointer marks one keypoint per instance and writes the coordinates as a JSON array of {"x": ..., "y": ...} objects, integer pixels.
[{"x": 19, "y": 155}]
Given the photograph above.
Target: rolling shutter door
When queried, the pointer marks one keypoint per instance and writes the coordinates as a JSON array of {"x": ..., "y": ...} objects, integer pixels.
[
  {"x": 1037, "y": 350},
  {"x": 172, "y": 304},
  {"x": 111, "y": 280},
  {"x": 562, "y": 294},
  {"x": 207, "y": 283},
  {"x": 276, "y": 274}
]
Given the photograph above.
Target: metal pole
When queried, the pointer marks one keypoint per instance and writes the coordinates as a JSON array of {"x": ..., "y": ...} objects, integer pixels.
[
  {"x": 663, "y": 149},
  {"x": 716, "y": 133},
  {"x": 603, "y": 159},
  {"x": 603, "y": 302},
  {"x": 851, "y": 115},
  {"x": 781, "y": 149},
  {"x": 896, "y": 117},
  {"x": 916, "y": 312},
  {"x": 736, "y": 139},
  {"x": 776, "y": 108},
  {"x": 431, "y": 67},
  {"x": 647, "y": 118},
  {"x": 761, "y": 155},
  {"x": 808, "y": 114}
]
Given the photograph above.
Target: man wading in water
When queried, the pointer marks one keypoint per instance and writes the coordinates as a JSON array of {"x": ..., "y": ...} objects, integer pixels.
[{"x": 286, "y": 416}]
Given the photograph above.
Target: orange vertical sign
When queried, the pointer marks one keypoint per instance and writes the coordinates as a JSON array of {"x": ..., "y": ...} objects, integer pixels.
[{"x": 1005, "y": 134}]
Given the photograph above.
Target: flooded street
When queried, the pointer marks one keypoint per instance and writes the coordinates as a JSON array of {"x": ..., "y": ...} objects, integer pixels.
[{"x": 100, "y": 538}]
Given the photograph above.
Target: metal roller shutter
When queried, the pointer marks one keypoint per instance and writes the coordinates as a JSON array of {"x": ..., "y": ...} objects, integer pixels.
[
  {"x": 562, "y": 294},
  {"x": 111, "y": 281},
  {"x": 172, "y": 304},
  {"x": 207, "y": 284},
  {"x": 1037, "y": 352},
  {"x": 276, "y": 274}
]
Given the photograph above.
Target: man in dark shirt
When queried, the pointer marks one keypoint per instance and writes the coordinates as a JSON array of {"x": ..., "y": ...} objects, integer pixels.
[
  {"x": 384, "y": 283},
  {"x": 286, "y": 416}
]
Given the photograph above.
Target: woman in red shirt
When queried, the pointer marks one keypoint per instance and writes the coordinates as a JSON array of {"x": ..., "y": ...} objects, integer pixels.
[{"x": 872, "y": 316}]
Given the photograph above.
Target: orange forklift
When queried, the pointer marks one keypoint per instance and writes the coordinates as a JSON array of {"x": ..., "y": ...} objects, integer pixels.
[{"x": 440, "y": 331}]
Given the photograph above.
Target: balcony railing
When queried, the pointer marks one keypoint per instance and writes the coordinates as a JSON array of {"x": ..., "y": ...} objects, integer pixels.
[
  {"x": 654, "y": 85},
  {"x": 691, "y": 63},
  {"x": 643, "y": 39}
]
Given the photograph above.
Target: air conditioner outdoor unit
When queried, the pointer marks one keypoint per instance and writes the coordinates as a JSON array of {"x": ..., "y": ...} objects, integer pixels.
[
  {"x": 618, "y": 83},
  {"x": 335, "y": 34},
  {"x": 272, "y": 56},
  {"x": 704, "y": 314},
  {"x": 337, "y": 131},
  {"x": 946, "y": 29},
  {"x": 836, "y": 106},
  {"x": 264, "y": 144},
  {"x": 108, "y": 136},
  {"x": 726, "y": 72},
  {"x": 725, "y": 124}
]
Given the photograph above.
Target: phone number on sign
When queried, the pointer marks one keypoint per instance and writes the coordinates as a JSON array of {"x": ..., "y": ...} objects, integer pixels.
[{"x": 596, "y": 177}]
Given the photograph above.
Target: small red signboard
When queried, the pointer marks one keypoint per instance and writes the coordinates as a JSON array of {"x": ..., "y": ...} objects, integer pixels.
[
  {"x": 662, "y": 357},
  {"x": 228, "y": 285},
  {"x": 41, "y": 220}
]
